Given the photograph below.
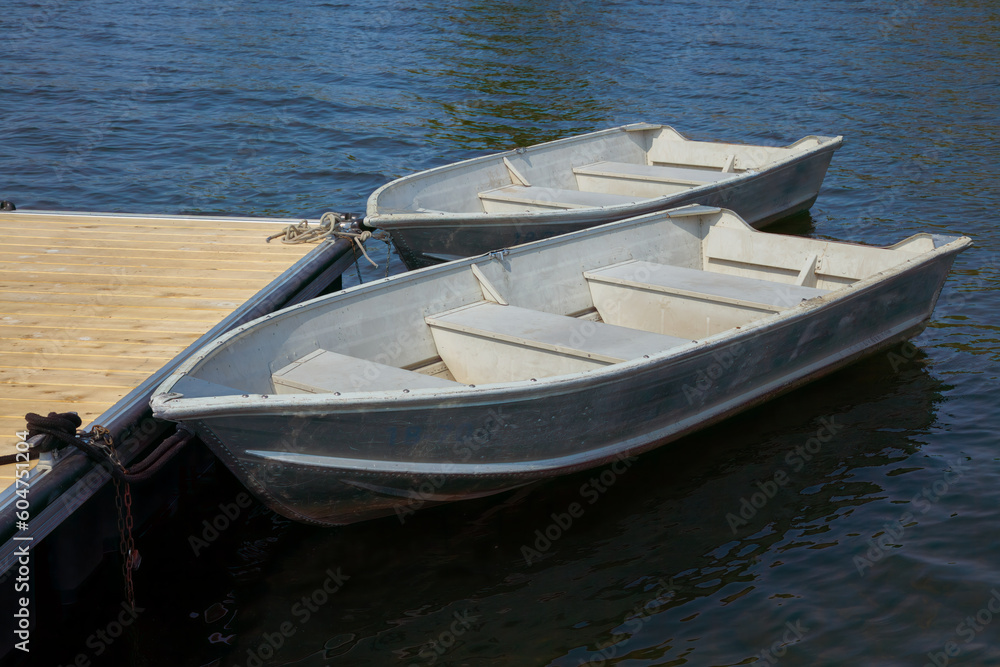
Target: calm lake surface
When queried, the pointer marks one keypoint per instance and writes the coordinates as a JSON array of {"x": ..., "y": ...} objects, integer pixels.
[{"x": 882, "y": 546}]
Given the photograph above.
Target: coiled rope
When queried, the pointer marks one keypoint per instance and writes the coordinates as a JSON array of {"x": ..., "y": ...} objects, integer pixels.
[
  {"x": 99, "y": 446},
  {"x": 331, "y": 227}
]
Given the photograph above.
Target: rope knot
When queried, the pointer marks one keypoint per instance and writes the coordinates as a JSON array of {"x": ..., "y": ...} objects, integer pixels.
[
  {"x": 64, "y": 423},
  {"x": 99, "y": 444},
  {"x": 333, "y": 226}
]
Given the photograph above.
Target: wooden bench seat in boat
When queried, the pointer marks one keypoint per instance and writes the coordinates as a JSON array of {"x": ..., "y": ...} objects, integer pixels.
[
  {"x": 644, "y": 180},
  {"x": 687, "y": 302},
  {"x": 324, "y": 372},
  {"x": 488, "y": 342},
  {"x": 517, "y": 197}
]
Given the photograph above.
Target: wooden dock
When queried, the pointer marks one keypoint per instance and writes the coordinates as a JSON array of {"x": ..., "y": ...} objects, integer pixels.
[{"x": 93, "y": 304}]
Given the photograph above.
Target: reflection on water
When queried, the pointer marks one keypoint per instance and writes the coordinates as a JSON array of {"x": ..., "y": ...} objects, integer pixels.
[
  {"x": 516, "y": 74},
  {"x": 699, "y": 549},
  {"x": 801, "y": 224}
]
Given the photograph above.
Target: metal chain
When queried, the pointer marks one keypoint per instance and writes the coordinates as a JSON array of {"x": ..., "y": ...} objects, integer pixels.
[
  {"x": 131, "y": 554},
  {"x": 103, "y": 439}
]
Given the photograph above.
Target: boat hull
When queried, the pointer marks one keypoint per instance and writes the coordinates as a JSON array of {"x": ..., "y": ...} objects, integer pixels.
[{"x": 305, "y": 461}]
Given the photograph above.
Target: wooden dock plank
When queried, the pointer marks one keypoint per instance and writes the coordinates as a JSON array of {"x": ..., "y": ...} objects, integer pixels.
[
  {"x": 138, "y": 301},
  {"x": 60, "y": 334},
  {"x": 54, "y": 219},
  {"x": 92, "y": 305},
  {"x": 9, "y": 311},
  {"x": 55, "y": 381},
  {"x": 68, "y": 248},
  {"x": 97, "y": 280},
  {"x": 81, "y": 259},
  {"x": 85, "y": 322},
  {"x": 55, "y": 245},
  {"x": 108, "y": 293},
  {"x": 106, "y": 310},
  {"x": 73, "y": 359},
  {"x": 60, "y": 343},
  {"x": 46, "y": 240},
  {"x": 166, "y": 226},
  {"x": 119, "y": 271}
]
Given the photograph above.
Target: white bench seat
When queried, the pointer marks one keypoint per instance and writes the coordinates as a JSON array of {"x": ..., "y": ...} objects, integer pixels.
[
  {"x": 512, "y": 198},
  {"x": 486, "y": 342},
  {"x": 687, "y": 302},
  {"x": 324, "y": 372},
  {"x": 763, "y": 294}
]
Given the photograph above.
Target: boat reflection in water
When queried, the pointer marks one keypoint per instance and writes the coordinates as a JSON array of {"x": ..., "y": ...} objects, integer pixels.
[{"x": 654, "y": 550}]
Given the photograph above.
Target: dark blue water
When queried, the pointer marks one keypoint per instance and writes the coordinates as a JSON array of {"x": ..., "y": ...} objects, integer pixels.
[{"x": 880, "y": 543}]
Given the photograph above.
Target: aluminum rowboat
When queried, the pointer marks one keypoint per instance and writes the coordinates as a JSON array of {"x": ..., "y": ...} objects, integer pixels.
[
  {"x": 527, "y": 194},
  {"x": 481, "y": 375}
]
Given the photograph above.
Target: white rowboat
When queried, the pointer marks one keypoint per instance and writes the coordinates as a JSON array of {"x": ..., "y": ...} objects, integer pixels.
[
  {"x": 480, "y": 375},
  {"x": 527, "y": 194}
]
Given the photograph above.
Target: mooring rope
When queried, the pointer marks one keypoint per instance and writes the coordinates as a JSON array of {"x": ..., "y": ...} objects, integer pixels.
[
  {"x": 99, "y": 446},
  {"x": 327, "y": 229},
  {"x": 359, "y": 238},
  {"x": 303, "y": 233}
]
